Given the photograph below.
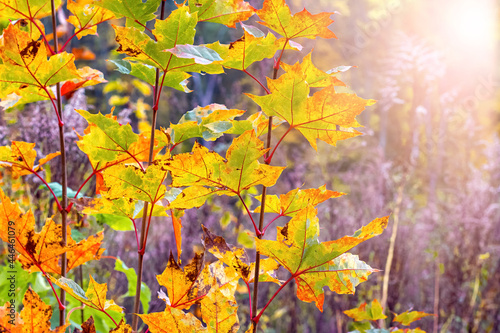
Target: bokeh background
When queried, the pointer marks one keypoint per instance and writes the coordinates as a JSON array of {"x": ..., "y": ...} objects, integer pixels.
[{"x": 430, "y": 156}]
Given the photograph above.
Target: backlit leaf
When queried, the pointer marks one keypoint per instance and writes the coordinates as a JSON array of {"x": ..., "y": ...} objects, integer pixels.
[
  {"x": 238, "y": 259},
  {"x": 86, "y": 16},
  {"x": 208, "y": 173},
  {"x": 106, "y": 142},
  {"x": 41, "y": 250},
  {"x": 291, "y": 203},
  {"x": 315, "y": 265},
  {"x": 227, "y": 12},
  {"x": 177, "y": 29},
  {"x": 20, "y": 158},
  {"x": 181, "y": 283},
  {"x": 29, "y": 9},
  {"x": 137, "y": 12},
  {"x": 34, "y": 317},
  {"x": 277, "y": 16},
  {"x": 26, "y": 71},
  {"x": 372, "y": 311},
  {"x": 209, "y": 122},
  {"x": 172, "y": 320},
  {"x": 94, "y": 297},
  {"x": 314, "y": 77},
  {"x": 407, "y": 317},
  {"x": 249, "y": 49},
  {"x": 327, "y": 115}
]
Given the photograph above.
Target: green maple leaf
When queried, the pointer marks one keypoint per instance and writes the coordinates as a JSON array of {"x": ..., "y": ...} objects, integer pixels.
[
  {"x": 227, "y": 12},
  {"x": 174, "y": 35},
  {"x": 327, "y": 115},
  {"x": 315, "y": 265},
  {"x": 137, "y": 12}
]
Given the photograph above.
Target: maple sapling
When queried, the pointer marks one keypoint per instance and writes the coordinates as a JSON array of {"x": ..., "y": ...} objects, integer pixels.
[{"x": 139, "y": 176}]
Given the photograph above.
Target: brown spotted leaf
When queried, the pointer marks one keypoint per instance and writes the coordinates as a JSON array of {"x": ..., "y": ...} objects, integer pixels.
[{"x": 41, "y": 250}]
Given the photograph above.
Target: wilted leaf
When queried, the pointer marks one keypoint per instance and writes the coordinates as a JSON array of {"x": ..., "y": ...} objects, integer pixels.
[
  {"x": 238, "y": 259},
  {"x": 181, "y": 283},
  {"x": 34, "y": 317},
  {"x": 41, "y": 250}
]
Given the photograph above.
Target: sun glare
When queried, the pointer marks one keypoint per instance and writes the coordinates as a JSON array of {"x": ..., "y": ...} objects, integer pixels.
[{"x": 471, "y": 24}]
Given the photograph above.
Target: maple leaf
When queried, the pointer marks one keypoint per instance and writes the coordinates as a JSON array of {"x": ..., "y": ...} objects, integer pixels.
[
  {"x": 257, "y": 121},
  {"x": 172, "y": 320},
  {"x": 238, "y": 259},
  {"x": 178, "y": 29},
  {"x": 222, "y": 11},
  {"x": 315, "y": 77},
  {"x": 14, "y": 9},
  {"x": 327, "y": 115},
  {"x": 182, "y": 284},
  {"x": 315, "y": 265},
  {"x": 207, "y": 173},
  {"x": 209, "y": 122},
  {"x": 20, "y": 158},
  {"x": 407, "y": 317},
  {"x": 86, "y": 16},
  {"x": 34, "y": 317},
  {"x": 129, "y": 181},
  {"x": 291, "y": 203},
  {"x": 88, "y": 77},
  {"x": 122, "y": 327},
  {"x": 94, "y": 297},
  {"x": 213, "y": 287},
  {"x": 87, "y": 327},
  {"x": 277, "y": 16},
  {"x": 372, "y": 311},
  {"x": 40, "y": 251},
  {"x": 250, "y": 49},
  {"x": 106, "y": 141},
  {"x": 26, "y": 71},
  {"x": 219, "y": 312},
  {"x": 137, "y": 12}
]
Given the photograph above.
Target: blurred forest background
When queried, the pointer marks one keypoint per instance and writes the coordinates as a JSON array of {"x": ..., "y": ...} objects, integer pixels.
[{"x": 430, "y": 156}]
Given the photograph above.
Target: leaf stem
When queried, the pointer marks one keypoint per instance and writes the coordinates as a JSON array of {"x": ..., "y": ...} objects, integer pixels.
[
  {"x": 270, "y": 157},
  {"x": 156, "y": 98},
  {"x": 64, "y": 182},
  {"x": 53, "y": 194},
  {"x": 257, "y": 230},
  {"x": 257, "y": 80},
  {"x": 257, "y": 317},
  {"x": 267, "y": 225},
  {"x": 61, "y": 306},
  {"x": 249, "y": 299},
  {"x": 263, "y": 200}
]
